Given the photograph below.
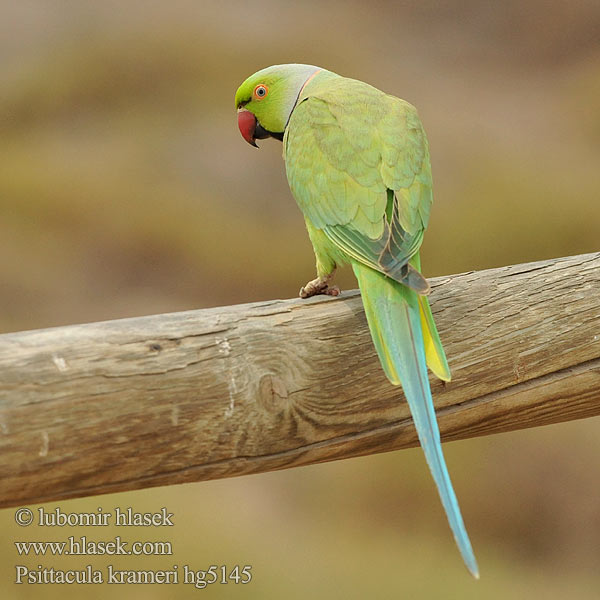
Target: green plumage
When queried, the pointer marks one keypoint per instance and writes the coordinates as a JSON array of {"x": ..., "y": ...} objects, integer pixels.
[
  {"x": 345, "y": 146},
  {"x": 357, "y": 161}
]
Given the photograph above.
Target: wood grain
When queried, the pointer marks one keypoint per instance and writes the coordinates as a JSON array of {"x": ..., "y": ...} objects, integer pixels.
[{"x": 133, "y": 403}]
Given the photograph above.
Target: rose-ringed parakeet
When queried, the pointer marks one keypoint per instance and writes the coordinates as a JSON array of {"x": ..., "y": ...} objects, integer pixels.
[{"x": 357, "y": 163}]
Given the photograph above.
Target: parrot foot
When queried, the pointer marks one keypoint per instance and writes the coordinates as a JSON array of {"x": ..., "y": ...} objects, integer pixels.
[{"x": 320, "y": 285}]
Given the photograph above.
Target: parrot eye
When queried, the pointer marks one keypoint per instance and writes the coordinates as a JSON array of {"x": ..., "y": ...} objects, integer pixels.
[{"x": 260, "y": 91}]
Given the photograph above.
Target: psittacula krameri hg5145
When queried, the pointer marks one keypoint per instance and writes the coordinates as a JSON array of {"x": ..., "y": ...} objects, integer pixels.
[{"x": 357, "y": 162}]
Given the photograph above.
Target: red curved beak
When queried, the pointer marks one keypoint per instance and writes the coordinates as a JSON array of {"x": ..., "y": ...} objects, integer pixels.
[{"x": 247, "y": 125}]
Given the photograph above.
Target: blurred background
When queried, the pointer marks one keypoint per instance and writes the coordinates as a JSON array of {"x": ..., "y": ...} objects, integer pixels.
[{"x": 126, "y": 189}]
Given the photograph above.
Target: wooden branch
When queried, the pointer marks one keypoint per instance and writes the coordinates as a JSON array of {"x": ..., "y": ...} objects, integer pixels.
[{"x": 134, "y": 403}]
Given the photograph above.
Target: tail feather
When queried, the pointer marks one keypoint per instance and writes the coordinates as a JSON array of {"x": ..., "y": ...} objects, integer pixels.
[
  {"x": 395, "y": 317},
  {"x": 434, "y": 351}
]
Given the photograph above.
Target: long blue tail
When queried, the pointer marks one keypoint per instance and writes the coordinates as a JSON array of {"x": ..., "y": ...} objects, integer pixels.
[{"x": 392, "y": 312}]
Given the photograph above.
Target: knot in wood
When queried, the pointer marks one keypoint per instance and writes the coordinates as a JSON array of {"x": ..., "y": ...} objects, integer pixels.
[{"x": 272, "y": 393}]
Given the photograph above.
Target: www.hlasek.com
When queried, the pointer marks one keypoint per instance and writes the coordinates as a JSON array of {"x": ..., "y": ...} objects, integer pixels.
[{"x": 111, "y": 574}]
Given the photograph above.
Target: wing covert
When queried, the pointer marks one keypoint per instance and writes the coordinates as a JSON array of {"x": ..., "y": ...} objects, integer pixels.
[{"x": 358, "y": 165}]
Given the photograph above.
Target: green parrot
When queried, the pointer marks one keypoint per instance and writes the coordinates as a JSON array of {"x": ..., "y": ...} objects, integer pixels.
[{"x": 357, "y": 162}]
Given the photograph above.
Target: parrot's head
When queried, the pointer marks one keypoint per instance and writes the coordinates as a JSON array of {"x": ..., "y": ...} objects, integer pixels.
[{"x": 266, "y": 99}]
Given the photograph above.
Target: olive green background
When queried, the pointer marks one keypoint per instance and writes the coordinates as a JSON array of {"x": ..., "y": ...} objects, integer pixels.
[{"x": 126, "y": 189}]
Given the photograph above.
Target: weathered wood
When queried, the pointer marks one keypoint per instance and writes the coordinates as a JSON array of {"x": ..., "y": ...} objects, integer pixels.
[{"x": 133, "y": 403}]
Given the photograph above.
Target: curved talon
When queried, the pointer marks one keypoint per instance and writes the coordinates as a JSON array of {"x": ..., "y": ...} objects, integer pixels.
[
  {"x": 318, "y": 286},
  {"x": 309, "y": 290}
]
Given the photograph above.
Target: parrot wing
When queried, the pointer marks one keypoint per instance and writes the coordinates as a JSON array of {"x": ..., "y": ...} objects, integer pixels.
[
  {"x": 357, "y": 162},
  {"x": 358, "y": 165}
]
